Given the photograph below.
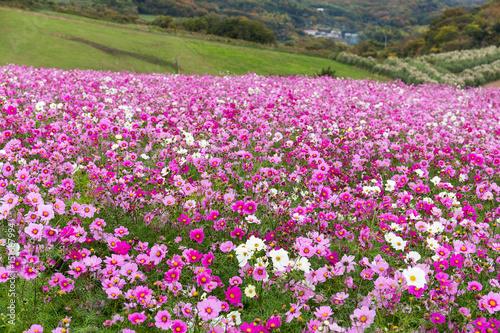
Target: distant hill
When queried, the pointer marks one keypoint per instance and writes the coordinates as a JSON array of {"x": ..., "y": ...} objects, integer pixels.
[
  {"x": 285, "y": 17},
  {"x": 67, "y": 41}
]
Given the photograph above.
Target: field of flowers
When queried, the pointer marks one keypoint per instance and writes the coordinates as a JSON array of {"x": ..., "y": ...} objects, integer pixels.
[{"x": 151, "y": 203}]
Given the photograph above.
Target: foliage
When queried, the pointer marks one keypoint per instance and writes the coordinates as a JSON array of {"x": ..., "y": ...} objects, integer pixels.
[
  {"x": 233, "y": 27},
  {"x": 327, "y": 72},
  {"x": 164, "y": 22},
  {"x": 465, "y": 68}
]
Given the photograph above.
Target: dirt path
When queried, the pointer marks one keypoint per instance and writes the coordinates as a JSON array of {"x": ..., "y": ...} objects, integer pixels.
[{"x": 492, "y": 84}]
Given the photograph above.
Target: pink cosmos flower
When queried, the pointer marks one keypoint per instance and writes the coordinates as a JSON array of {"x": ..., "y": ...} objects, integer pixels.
[
  {"x": 193, "y": 255},
  {"x": 474, "y": 285},
  {"x": 45, "y": 212},
  {"x": 235, "y": 281},
  {"x": 87, "y": 211},
  {"x": 162, "y": 320},
  {"x": 122, "y": 247},
  {"x": 169, "y": 200},
  {"x": 35, "y": 329},
  {"x": 137, "y": 318},
  {"x": 4, "y": 274},
  {"x": 29, "y": 273},
  {"x": 238, "y": 206},
  {"x": 259, "y": 273},
  {"x": 227, "y": 246},
  {"x": 178, "y": 326},
  {"x": 273, "y": 322},
  {"x": 158, "y": 253},
  {"x": 59, "y": 207},
  {"x": 437, "y": 318},
  {"x": 346, "y": 263},
  {"x": 121, "y": 231}
]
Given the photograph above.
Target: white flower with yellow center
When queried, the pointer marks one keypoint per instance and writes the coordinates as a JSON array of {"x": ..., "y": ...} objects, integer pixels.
[{"x": 414, "y": 277}]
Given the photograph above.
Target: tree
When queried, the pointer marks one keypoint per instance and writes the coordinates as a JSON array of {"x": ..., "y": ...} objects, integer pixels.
[
  {"x": 164, "y": 21},
  {"x": 446, "y": 34}
]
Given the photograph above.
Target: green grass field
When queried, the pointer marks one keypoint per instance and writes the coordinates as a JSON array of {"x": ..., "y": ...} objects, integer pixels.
[{"x": 43, "y": 40}]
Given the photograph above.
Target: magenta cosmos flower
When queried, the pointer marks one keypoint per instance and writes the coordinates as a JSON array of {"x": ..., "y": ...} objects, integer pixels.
[
  {"x": 437, "y": 318},
  {"x": 233, "y": 295},
  {"x": 137, "y": 318},
  {"x": 178, "y": 326},
  {"x": 197, "y": 235},
  {"x": 249, "y": 207}
]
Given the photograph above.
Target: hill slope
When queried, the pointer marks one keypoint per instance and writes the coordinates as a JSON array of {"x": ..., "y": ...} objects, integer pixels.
[{"x": 42, "y": 40}]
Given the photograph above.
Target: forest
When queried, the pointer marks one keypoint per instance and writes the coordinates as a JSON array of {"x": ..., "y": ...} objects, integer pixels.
[{"x": 285, "y": 17}]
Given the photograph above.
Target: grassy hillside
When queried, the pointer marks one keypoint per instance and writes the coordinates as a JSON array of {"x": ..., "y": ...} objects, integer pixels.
[{"x": 41, "y": 40}]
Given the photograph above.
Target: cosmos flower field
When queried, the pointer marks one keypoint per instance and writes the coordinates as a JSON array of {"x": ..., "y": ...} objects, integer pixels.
[{"x": 152, "y": 203}]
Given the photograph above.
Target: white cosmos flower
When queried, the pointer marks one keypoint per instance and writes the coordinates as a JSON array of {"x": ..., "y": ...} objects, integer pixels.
[
  {"x": 398, "y": 243},
  {"x": 391, "y": 185},
  {"x": 435, "y": 228},
  {"x": 436, "y": 180},
  {"x": 280, "y": 259},
  {"x": 250, "y": 291},
  {"x": 255, "y": 244},
  {"x": 414, "y": 277},
  {"x": 414, "y": 255},
  {"x": 433, "y": 244},
  {"x": 302, "y": 264},
  {"x": 389, "y": 237}
]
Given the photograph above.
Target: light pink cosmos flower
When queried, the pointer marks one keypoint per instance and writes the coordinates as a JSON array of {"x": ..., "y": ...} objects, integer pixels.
[
  {"x": 363, "y": 317},
  {"x": 45, "y": 212},
  {"x": 35, "y": 329},
  {"x": 35, "y": 231},
  {"x": 293, "y": 312},
  {"x": 169, "y": 200},
  {"x": 59, "y": 207},
  {"x": 209, "y": 308},
  {"x": 227, "y": 246},
  {"x": 158, "y": 253},
  {"x": 490, "y": 302},
  {"x": 323, "y": 313},
  {"x": 113, "y": 292},
  {"x": 346, "y": 263}
]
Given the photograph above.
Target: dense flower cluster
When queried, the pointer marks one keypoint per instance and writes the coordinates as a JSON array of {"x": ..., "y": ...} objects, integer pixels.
[{"x": 148, "y": 203}]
